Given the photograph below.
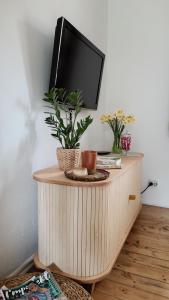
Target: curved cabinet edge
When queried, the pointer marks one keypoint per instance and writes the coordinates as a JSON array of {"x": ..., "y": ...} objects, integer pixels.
[
  {"x": 86, "y": 279},
  {"x": 53, "y": 175}
]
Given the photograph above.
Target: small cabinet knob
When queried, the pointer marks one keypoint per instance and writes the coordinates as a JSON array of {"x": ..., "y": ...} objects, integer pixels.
[{"x": 132, "y": 197}]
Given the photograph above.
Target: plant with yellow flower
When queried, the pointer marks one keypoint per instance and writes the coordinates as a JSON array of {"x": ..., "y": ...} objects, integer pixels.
[{"x": 117, "y": 122}]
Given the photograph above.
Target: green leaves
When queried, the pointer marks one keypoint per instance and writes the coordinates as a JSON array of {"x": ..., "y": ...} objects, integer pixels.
[{"x": 66, "y": 106}]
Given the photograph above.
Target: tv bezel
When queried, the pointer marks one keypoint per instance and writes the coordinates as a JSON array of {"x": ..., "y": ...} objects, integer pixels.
[{"x": 62, "y": 23}]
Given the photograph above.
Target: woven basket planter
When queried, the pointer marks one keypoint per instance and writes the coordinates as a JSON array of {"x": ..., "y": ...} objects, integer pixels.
[{"x": 68, "y": 158}]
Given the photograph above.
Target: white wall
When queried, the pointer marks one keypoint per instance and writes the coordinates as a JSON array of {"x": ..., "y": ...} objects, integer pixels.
[
  {"x": 27, "y": 32},
  {"x": 138, "y": 81}
]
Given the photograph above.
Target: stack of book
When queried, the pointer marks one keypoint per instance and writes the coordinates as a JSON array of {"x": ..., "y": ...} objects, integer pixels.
[{"x": 108, "y": 162}]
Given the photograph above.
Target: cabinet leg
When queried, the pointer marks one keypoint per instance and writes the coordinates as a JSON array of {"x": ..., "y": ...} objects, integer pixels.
[
  {"x": 89, "y": 287},
  {"x": 92, "y": 288}
]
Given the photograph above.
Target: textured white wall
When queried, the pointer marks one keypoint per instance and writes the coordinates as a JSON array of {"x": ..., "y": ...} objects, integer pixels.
[
  {"x": 138, "y": 81},
  {"x": 27, "y": 32}
]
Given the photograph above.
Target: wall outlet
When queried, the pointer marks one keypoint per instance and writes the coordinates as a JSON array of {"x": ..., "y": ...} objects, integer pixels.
[{"x": 154, "y": 182}]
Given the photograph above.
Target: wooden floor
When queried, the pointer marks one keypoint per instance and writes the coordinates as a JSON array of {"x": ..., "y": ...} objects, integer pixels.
[{"x": 142, "y": 268}]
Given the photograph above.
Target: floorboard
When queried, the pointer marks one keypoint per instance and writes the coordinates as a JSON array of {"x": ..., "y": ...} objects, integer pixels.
[{"x": 142, "y": 268}]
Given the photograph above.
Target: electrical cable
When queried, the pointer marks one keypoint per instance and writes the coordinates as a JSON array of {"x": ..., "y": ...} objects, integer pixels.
[{"x": 150, "y": 184}]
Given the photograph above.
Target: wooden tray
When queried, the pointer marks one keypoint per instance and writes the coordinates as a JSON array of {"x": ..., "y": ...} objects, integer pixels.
[{"x": 98, "y": 176}]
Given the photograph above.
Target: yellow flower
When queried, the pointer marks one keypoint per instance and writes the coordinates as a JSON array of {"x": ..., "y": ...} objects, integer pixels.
[
  {"x": 119, "y": 113},
  {"x": 120, "y": 116},
  {"x": 109, "y": 117},
  {"x": 104, "y": 118},
  {"x": 129, "y": 119},
  {"x": 113, "y": 116},
  {"x": 125, "y": 121}
]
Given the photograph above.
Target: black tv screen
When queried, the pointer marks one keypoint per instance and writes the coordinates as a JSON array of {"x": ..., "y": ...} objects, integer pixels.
[{"x": 77, "y": 64}]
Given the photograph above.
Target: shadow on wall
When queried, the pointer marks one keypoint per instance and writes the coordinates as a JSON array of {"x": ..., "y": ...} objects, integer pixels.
[
  {"x": 37, "y": 53},
  {"x": 18, "y": 221},
  {"x": 37, "y": 48}
]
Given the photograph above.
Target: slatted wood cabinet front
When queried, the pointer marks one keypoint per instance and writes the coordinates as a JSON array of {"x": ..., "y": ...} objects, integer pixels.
[{"x": 82, "y": 227}]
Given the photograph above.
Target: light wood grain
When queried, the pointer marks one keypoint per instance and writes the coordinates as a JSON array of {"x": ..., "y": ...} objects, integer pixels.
[
  {"x": 142, "y": 268},
  {"x": 83, "y": 228},
  {"x": 139, "y": 282},
  {"x": 141, "y": 240},
  {"x": 158, "y": 213},
  {"x": 149, "y": 227},
  {"x": 145, "y": 260},
  {"x": 98, "y": 295},
  {"x": 137, "y": 266},
  {"x": 125, "y": 292}
]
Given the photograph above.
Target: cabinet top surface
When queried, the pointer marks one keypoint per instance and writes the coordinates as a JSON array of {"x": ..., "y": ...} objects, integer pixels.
[{"x": 54, "y": 175}]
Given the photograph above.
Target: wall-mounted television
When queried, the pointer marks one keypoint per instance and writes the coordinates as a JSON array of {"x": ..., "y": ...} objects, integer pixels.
[{"x": 77, "y": 64}]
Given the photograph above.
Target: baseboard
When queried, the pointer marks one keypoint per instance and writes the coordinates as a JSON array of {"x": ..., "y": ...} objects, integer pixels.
[{"x": 25, "y": 266}]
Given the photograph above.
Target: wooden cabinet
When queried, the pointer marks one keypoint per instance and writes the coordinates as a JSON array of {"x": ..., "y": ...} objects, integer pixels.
[
  {"x": 82, "y": 226},
  {"x": 129, "y": 197}
]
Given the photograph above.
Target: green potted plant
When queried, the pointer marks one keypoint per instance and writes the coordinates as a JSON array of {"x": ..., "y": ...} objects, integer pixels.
[{"x": 62, "y": 119}]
